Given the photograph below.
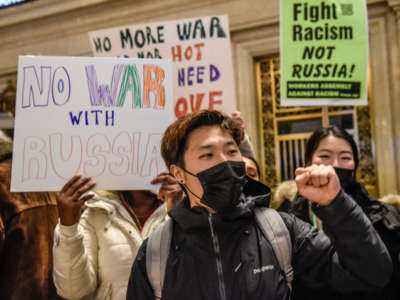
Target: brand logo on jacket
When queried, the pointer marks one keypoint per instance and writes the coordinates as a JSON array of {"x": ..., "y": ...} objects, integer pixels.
[{"x": 263, "y": 269}]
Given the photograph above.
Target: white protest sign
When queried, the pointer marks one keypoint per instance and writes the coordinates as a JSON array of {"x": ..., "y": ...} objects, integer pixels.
[
  {"x": 201, "y": 52},
  {"x": 100, "y": 117}
]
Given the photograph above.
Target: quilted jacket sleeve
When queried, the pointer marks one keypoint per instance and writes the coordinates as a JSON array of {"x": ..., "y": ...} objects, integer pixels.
[
  {"x": 75, "y": 259},
  {"x": 350, "y": 256}
]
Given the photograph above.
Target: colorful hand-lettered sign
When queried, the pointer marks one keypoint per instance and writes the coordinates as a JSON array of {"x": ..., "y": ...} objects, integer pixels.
[
  {"x": 199, "y": 48},
  {"x": 99, "y": 117},
  {"x": 324, "y": 52}
]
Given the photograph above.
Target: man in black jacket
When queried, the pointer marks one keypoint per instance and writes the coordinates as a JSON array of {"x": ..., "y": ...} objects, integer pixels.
[{"x": 217, "y": 249}]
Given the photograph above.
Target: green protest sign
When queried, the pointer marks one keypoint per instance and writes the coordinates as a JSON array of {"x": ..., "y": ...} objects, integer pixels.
[{"x": 324, "y": 52}]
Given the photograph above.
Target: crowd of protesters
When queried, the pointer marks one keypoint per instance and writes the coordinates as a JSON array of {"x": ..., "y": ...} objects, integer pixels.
[{"x": 335, "y": 241}]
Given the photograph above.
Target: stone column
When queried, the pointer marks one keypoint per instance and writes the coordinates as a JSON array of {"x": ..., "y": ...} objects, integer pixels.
[{"x": 395, "y": 6}]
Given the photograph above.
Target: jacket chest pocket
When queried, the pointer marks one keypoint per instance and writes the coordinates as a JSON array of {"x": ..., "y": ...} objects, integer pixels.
[
  {"x": 246, "y": 275},
  {"x": 260, "y": 269}
]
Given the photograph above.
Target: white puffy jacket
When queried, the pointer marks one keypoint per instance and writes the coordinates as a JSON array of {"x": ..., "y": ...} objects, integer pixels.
[{"x": 96, "y": 255}]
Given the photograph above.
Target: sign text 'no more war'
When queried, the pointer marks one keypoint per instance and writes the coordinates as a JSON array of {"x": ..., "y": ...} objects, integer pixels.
[{"x": 200, "y": 80}]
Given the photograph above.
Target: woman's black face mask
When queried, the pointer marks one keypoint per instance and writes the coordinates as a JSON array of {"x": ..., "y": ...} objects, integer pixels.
[
  {"x": 346, "y": 177},
  {"x": 222, "y": 185}
]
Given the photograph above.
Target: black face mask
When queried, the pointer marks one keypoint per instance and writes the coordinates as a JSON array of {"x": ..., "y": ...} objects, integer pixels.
[
  {"x": 346, "y": 177},
  {"x": 222, "y": 185}
]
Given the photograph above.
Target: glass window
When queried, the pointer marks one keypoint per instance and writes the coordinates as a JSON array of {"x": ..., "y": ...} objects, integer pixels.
[{"x": 299, "y": 126}]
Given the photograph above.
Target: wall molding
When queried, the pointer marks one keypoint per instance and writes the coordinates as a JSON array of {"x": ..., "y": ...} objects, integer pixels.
[
  {"x": 244, "y": 56},
  {"x": 387, "y": 170}
]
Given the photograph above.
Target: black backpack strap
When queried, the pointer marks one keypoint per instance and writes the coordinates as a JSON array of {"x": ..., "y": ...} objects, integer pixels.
[{"x": 276, "y": 232}]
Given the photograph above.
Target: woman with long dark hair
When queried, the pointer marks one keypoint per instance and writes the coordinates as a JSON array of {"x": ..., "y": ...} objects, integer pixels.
[{"x": 334, "y": 146}]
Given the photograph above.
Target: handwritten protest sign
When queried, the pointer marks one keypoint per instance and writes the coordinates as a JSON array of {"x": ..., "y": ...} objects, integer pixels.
[
  {"x": 201, "y": 53},
  {"x": 324, "y": 52},
  {"x": 101, "y": 117}
]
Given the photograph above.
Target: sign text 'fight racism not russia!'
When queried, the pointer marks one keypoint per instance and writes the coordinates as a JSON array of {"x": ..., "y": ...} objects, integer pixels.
[{"x": 324, "y": 52}]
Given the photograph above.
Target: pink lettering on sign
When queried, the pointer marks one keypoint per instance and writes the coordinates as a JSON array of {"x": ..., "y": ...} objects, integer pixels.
[
  {"x": 34, "y": 160},
  {"x": 97, "y": 155},
  {"x": 122, "y": 147},
  {"x": 151, "y": 158},
  {"x": 98, "y": 147},
  {"x": 65, "y": 157}
]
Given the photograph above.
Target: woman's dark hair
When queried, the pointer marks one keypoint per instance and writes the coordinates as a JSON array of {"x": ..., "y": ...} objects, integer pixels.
[{"x": 322, "y": 133}]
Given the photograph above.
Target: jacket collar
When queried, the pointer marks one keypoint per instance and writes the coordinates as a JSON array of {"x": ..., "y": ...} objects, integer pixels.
[
  {"x": 108, "y": 203},
  {"x": 373, "y": 208},
  {"x": 255, "y": 194},
  {"x": 111, "y": 204}
]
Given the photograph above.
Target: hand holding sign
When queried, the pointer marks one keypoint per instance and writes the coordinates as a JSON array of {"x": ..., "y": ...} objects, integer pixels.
[
  {"x": 238, "y": 119},
  {"x": 170, "y": 191},
  {"x": 69, "y": 200}
]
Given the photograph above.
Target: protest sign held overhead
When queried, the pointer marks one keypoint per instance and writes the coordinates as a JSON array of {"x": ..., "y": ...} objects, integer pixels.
[
  {"x": 324, "y": 52},
  {"x": 100, "y": 117},
  {"x": 199, "y": 48}
]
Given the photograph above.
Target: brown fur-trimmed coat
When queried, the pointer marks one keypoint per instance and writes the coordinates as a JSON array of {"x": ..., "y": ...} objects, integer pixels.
[{"x": 27, "y": 222}]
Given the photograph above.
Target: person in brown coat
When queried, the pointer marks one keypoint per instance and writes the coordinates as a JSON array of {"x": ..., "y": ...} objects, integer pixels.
[{"x": 27, "y": 222}]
